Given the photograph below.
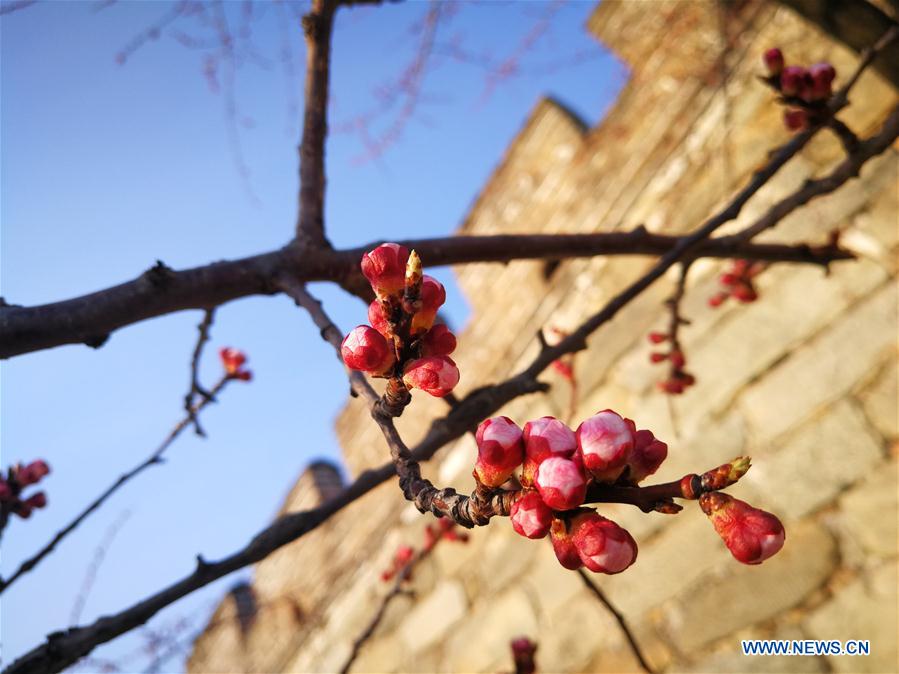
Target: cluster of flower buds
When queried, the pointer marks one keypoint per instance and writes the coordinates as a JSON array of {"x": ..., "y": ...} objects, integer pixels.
[
  {"x": 751, "y": 535},
  {"x": 737, "y": 282},
  {"x": 523, "y": 651},
  {"x": 443, "y": 530},
  {"x": 233, "y": 361},
  {"x": 402, "y": 343},
  {"x": 17, "y": 478},
  {"x": 557, "y": 466},
  {"x": 678, "y": 378},
  {"x": 805, "y": 90}
]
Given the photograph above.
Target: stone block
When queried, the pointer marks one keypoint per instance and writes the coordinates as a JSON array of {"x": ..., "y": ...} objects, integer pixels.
[{"x": 432, "y": 618}]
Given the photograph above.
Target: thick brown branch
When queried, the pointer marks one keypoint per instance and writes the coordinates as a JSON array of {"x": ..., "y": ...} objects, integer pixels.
[
  {"x": 90, "y": 319},
  {"x": 318, "y": 26}
]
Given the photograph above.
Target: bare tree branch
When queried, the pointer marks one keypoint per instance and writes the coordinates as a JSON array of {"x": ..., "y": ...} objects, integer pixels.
[
  {"x": 152, "y": 460},
  {"x": 195, "y": 388}
]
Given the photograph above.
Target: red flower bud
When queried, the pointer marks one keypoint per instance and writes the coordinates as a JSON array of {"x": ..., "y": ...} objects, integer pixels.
[
  {"x": 561, "y": 482},
  {"x": 436, "y": 375},
  {"x": 795, "y": 120},
  {"x": 500, "y": 450},
  {"x": 677, "y": 359},
  {"x": 530, "y": 516},
  {"x": 745, "y": 293},
  {"x": 433, "y": 295},
  {"x": 403, "y": 555},
  {"x": 22, "y": 509},
  {"x": 5, "y": 491},
  {"x": 547, "y": 436},
  {"x": 794, "y": 80},
  {"x": 717, "y": 300},
  {"x": 232, "y": 359},
  {"x": 822, "y": 75},
  {"x": 657, "y": 337},
  {"x": 603, "y": 546},
  {"x": 38, "y": 500},
  {"x": 673, "y": 386},
  {"x": 366, "y": 349},
  {"x": 729, "y": 279},
  {"x": 438, "y": 341},
  {"x": 523, "y": 650},
  {"x": 32, "y": 473},
  {"x": 774, "y": 61},
  {"x": 646, "y": 457},
  {"x": 385, "y": 268},
  {"x": 563, "y": 546},
  {"x": 751, "y": 535},
  {"x": 657, "y": 357},
  {"x": 377, "y": 318},
  {"x": 604, "y": 441}
]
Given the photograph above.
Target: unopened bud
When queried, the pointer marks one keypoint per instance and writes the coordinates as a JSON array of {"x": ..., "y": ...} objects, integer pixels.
[
  {"x": 561, "y": 482},
  {"x": 604, "y": 441},
  {"x": 657, "y": 337},
  {"x": 774, "y": 61},
  {"x": 795, "y": 120},
  {"x": 366, "y": 349},
  {"x": 433, "y": 295},
  {"x": 435, "y": 375},
  {"x": 32, "y": 473},
  {"x": 794, "y": 80},
  {"x": 547, "y": 436},
  {"x": 603, "y": 546},
  {"x": 438, "y": 341},
  {"x": 377, "y": 318},
  {"x": 385, "y": 268},
  {"x": 646, "y": 457},
  {"x": 530, "y": 516},
  {"x": 38, "y": 500},
  {"x": 500, "y": 450},
  {"x": 751, "y": 535},
  {"x": 5, "y": 491},
  {"x": 563, "y": 545},
  {"x": 726, "y": 474}
]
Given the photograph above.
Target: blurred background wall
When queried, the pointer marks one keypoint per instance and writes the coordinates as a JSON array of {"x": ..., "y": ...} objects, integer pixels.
[{"x": 804, "y": 381}]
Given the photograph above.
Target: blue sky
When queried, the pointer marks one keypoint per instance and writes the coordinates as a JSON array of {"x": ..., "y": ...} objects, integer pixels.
[{"x": 107, "y": 167}]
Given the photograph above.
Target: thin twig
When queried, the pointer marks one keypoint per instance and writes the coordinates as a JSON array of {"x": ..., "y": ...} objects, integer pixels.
[
  {"x": 152, "y": 460},
  {"x": 90, "y": 575},
  {"x": 195, "y": 388},
  {"x": 631, "y": 639}
]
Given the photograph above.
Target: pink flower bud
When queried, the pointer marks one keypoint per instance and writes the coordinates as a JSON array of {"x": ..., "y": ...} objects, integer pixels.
[
  {"x": 385, "y": 268},
  {"x": 438, "y": 341},
  {"x": 377, "y": 318},
  {"x": 672, "y": 386},
  {"x": 530, "y": 516},
  {"x": 38, "y": 500},
  {"x": 677, "y": 359},
  {"x": 794, "y": 80},
  {"x": 745, "y": 293},
  {"x": 657, "y": 357},
  {"x": 547, "y": 436},
  {"x": 774, "y": 61},
  {"x": 523, "y": 650},
  {"x": 500, "y": 450},
  {"x": 436, "y": 375},
  {"x": 5, "y": 491},
  {"x": 32, "y": 473},
  {"x": 717, "y": 300},
  {"x": 795, "y": 120},
  {"x": 822, "y": 75},
  {"x": 657, "y": 337},
  {"x": 729, "y": 279},
  {"x": 646, "y": 457},
  {"x": 751, "y": 535},
  {"x": 232, "y": 359},
  {"x": 605, "y": 440},
  {"x": 403, "y": 556},
  {"x": 561, "y": 482},
  {"x": 563, "y": 546},
  {"x": 603, "y": 546},
  {"x": 366, "y": 349},
  {"x": 433, "y": 295}
]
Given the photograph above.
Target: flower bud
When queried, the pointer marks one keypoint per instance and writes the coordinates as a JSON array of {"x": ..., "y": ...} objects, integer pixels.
[
  {"x": 547, "y": 436},
  {"x": 5, "y": 491},
  {"x": 403, "y": 555},
  {"x": 500, "y": 450},
  {"x": 657, "y": 337},
  {"x": 677, "y": 359},
  {"x": 385, "y": 268},
  {"x": 822, "y": 76},
  {"x": 377, "y": 318},
  {"x": 795, "y": 120},
  {"x": 751, "y": 535},
  {"x": 603, "y": 546},
  {"x": 657, "y": 357},
  {"x": 794, "y": 80},
  {"x": 438, "y": 341},
  {"x": 436, "y": 375},
  {"x": 32, "y": 473},
  {"x": 774, "y": 61},
  {"x": 563, "y": 545},
  {"x": 717, "y": 300},
  {"x": 745, "y": 293},
  {"x": 366, "y": 349},
  {"x": 232, "y": 359},
  {"x": 646, "y": 457},
  {"x": 530, "y": 516},
  {"x": 433, "y": 295},
  {"x": 38, "y": 500},
  {"x": 672, "y": 386},
  {"x": 523, "y": 650},
  {"x": 561, "y": 482},
  {"x": 22, "y": 509},
  {"x": 605, "y": 440}
]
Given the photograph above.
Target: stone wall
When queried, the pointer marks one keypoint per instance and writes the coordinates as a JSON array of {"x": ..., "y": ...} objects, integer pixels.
[{"x": 803, "y": 380}]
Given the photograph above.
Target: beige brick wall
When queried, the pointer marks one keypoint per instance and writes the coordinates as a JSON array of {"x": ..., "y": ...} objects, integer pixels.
[{"x": 804, "y": 380}]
